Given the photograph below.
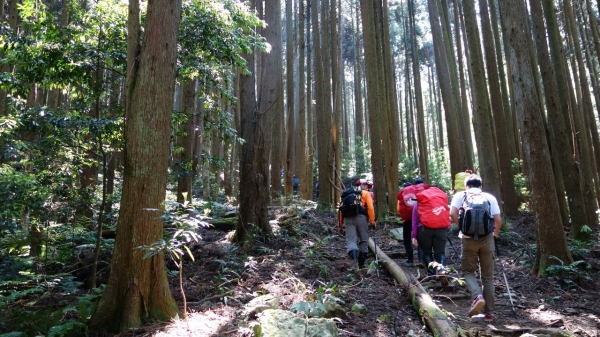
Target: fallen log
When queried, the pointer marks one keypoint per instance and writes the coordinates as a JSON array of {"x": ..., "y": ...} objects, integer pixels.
[{"x": 431, "y": 315}]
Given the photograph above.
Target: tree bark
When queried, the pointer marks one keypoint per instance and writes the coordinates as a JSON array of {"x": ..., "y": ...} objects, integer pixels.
[
  {"x": 507, "y": 182},
  {"x": 137, "y": 288},
  {"x": 290, "y": 156},
  {"x": 550, "y": 237},
  {"x": 562, "y": 148},
  {"x": 367, "y": 9},
  {"x": 455, "y": 123},
  {"x": 255, "y": 129},
  {"x": 184, "y": 171},
  {"x": 421, "y": 139},
  {"x": 271, "y": 95},
  {"x": 482, "y": 119},
  {"x": 303, "y": 154}
]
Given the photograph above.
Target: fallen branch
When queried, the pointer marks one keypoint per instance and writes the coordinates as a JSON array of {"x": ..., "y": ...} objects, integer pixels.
[{"x": 433, "y": 317}]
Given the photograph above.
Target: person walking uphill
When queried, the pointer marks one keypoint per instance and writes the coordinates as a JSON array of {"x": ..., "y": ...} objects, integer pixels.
[
  {"x": 430, "y": 223},
  {"x": 355, "y": 215},
  {"x": 478, "y": 215},
  {"x": 406, "y": 201}
]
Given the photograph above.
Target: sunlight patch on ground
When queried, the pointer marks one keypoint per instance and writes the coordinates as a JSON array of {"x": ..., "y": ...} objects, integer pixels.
[{"x": 208, "y": 323}]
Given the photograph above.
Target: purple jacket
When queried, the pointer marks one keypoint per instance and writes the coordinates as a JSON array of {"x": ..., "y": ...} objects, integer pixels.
[{"x": 415, "y": 221}]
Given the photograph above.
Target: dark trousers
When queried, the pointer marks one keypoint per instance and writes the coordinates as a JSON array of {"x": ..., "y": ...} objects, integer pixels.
[
  {"x": 432, "y": 240},
  {"x": 406, "y": 231}
]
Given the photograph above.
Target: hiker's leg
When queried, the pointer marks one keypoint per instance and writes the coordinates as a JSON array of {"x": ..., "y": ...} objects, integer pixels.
[
  {"x": 439, "y": 239},
  {"x": 425, "y": 239},
  {"x": 406, "y": 229},
  {"x": 362, "y": 229},
  {"x": 486, "y": 259},
  {"x": 351, "y": 237},
  {"x": 470, "y": 261}
]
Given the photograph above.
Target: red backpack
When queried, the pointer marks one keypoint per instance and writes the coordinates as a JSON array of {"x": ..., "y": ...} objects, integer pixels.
[
  {"x": 406, "y": 198},
  {"x": 433, "y": 208}
]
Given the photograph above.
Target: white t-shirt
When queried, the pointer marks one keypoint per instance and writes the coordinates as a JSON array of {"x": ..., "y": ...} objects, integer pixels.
[{"x": 458, "y": 198}]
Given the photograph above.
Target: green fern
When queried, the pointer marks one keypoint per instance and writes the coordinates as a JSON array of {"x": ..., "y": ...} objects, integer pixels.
[{"x": 67, "y": 329}]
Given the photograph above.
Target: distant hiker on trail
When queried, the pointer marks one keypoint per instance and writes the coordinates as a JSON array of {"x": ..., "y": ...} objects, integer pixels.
[
  {"x": 430, "y": 223},
  {"x": 477, "y": 214},
  {"x": 296, "y": 183},
  {"x": 406, "y": 200},
  {"x": 459, "y": 180},
  {"x": 355, "y": 214}
]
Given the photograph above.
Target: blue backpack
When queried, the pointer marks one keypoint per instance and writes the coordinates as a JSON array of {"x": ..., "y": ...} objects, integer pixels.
[{"x": 351, "y": 202}]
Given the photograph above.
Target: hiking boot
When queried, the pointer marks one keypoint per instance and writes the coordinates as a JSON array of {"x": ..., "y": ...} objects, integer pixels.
[
  {"x": 409, "y": 263},
  {"x": 362, "y": 256},
  {"x": 488, "y": 318},
  {"x": 478, "y": 304},
  {"x": 353, "y": 254}
]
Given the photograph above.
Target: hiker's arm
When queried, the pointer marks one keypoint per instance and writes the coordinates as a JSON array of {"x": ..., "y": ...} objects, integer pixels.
[
  {"x": 497, "y": 225},
  {"x": 369, "y": 207},
  {"x": 340, "y": 222},
  {"x": 454, "y": 214}
]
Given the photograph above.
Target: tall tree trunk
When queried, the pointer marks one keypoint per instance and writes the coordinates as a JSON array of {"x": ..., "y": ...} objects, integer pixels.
[
  {"x": 184, "y": 171},
  {"x": 482, "y": 120},
  {"x": 271, "y": 95},
  {"x": 367, "y": 10},
  {"x": 459, "y": 158},
  {"x": 255, "y": 130},
  {"x": 309, "y": 106},
  {"x": 461, "y": 106},
  {"x": 138, "y": 289},
  {"x": 336, "y": 94},
  {"x": 303, "y": 154},
  {"x": 358, "y": 111},
  {"x": 507, "y": 182},
  {"x": 507, "y": 111},
  {"x": 421, "y": 139},
  {"x": 391, "y": 113},
  {"x": 290, "y": 156},
  {"x": 550, "y": 237},
  {"x": 561, "y": 147},
  {"x": 323, "y": 108},
  {"x": 588, "y": 158}
]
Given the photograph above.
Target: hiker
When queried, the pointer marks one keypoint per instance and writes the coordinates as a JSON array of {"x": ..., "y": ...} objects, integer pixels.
[
  {"x": 370, "y": 189},
  {"x": 459, "y": 180},
  {"x": 296, "y": 184},
  {"x": 477, "y": 244},
  {"x": 357, "y": 224},
  {"x": 406, "y": 200},
  {"x": 430, "y": 224}
]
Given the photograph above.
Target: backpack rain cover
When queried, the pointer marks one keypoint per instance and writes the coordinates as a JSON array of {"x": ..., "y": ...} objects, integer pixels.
[{"x": 433, "y": 208}]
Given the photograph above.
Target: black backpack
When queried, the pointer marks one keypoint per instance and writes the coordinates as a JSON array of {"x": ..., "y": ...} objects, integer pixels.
[
  {"x": 351, "y": 202},
  {"x": 474, "y": 216}
]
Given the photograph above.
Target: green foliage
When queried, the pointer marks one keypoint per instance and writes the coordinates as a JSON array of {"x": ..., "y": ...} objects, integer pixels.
[
  {"x": 439, "y": 172},
  {"x": 579, "y": 248},
  {"x": 521, "y": 183},
  {"x": 576, "y": 273},
  {"x": 309, "y": 309},
  {"x": 185, "y": 219},
  {"x": 313, "y": 252},
  {"x": 362, "y": 155},
  {"x": 67, "y": 329}
]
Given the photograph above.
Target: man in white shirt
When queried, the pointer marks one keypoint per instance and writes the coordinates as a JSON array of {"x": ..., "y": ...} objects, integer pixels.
[{"x": 478, "y": 251}]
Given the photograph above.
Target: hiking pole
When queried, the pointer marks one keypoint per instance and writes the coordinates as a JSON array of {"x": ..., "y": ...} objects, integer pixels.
[
  {"x": 376, "y": 255},
  {"x": 506, "y": 281},
  {"x": 452, "y": 245}
]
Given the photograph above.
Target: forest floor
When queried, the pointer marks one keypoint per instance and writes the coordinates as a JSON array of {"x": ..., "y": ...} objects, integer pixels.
[{"x": 308, "y": 257}]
